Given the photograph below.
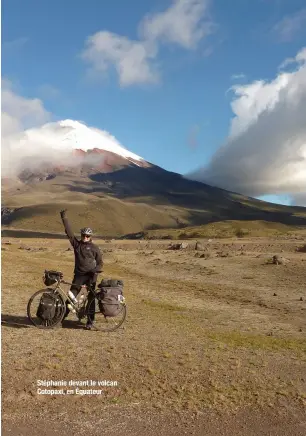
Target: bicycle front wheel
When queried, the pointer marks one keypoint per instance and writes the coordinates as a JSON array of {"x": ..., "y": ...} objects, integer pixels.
[
  {"x": 105, "y": 323},
  {"x": 33, "y": 309}
]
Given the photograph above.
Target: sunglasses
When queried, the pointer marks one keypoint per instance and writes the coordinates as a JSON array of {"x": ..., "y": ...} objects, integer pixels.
[{"x": 86, "y": 236}]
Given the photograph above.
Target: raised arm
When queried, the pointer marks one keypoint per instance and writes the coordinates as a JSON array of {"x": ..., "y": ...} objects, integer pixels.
[{"x": 68, "y": 230}]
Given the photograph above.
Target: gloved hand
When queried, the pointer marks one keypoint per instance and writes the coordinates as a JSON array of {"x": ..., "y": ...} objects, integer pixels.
[
  {"x": 95, "y": 275},
  {"x": 63, "y": 213},
  {"x": 94, "y": 279}
]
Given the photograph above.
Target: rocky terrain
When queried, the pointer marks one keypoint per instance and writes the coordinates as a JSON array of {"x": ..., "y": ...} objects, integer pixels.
[
  {"x": 214, "y": 342},
  {"x": 215, "y": 338}
]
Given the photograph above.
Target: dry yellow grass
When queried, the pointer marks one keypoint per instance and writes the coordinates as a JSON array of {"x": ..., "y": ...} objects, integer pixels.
[
  {"x": 116, "y": 214},
  {"x": 192, "y": 340}
]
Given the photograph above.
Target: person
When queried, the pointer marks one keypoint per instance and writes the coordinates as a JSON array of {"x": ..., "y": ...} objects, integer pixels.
[{"x": 88, "y": 262}]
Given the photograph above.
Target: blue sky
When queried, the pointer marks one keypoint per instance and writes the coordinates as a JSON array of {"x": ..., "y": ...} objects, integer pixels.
[{"x": 178, "y": 122}]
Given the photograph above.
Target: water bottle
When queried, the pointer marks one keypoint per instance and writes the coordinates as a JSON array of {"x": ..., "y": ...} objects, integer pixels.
[
  {"x": 71, "y": 308},
  {"x": 81, "y": 299},
  {"x": 71, "y": 295}
]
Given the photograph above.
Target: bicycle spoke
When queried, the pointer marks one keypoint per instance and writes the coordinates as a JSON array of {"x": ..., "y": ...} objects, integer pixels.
[
  {"x": 33, "y": 304},
  {"x": 106, "y": 323},
  {"x": 89, "y": 309}
]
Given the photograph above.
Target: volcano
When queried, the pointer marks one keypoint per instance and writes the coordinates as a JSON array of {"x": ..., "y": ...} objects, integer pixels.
[
  {"x": 115, "y": 191},
  {"x": 67, "y": 146}
]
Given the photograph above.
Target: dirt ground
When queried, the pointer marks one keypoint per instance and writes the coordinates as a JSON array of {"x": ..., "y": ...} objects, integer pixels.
[{"x": 214, "y": 342}]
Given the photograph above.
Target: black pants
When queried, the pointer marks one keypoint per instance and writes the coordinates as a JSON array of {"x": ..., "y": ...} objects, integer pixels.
[{"x": 78, "y": 281}]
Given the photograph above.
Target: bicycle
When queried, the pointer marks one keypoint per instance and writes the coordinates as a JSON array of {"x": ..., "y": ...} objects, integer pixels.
[{"x": 82, "y": 308}]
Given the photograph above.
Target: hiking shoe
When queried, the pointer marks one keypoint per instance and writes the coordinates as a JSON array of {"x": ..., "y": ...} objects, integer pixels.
[{"x": 88, "y": 326}]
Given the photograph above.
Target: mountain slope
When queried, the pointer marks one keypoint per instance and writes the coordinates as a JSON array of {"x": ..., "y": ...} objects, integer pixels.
[
  {"x": 133, "y": 199},
  {"x": 105, "y": 186}
]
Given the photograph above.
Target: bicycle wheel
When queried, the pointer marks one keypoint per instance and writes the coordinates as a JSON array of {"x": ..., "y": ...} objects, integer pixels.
[
  {"x": 104, "y": 323},
  {"x": 33, "y": 304}
]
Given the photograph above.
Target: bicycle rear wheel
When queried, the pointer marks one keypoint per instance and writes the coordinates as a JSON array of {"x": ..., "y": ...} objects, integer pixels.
[
  {"x": 104, "y": 323},
  {"x": 33, "y": 304}
]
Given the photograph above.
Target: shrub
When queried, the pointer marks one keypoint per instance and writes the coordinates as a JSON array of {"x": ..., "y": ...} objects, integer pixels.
[
  {"x": 240, "y": 233},
  {"x": 194, "y": 235}
]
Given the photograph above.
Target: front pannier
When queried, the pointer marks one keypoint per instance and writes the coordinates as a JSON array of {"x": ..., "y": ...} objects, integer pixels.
[{"x": 47, "y": 307}]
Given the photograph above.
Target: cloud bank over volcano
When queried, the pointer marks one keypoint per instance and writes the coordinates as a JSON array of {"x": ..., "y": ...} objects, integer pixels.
[
  {"x": 265, "y": 152},
  {"x": 29, "y": 144}
]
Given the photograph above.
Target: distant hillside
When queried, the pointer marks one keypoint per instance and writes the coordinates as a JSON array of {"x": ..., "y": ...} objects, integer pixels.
[{"x": 131, "y": 199}]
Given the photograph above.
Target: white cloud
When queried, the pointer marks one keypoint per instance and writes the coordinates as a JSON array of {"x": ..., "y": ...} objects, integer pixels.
[
  {"x": 28, "y": 142},
  {"x": 184, "y": 24},
  {"x": 18, "y": 112},
  {"x": 131, "y": 59},
  {"x": 9, "y": 125},
  {"x": 265, "y": 152},
  {"x": 300, "y": 59},
  {"x": 290, "y": 26},
  {"x": 299, "y": 199}
]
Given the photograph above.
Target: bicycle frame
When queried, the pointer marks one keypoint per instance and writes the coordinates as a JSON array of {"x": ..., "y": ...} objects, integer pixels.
[
  {"x": 66, "y": 295},
  {"x": 82, "y": 308}
]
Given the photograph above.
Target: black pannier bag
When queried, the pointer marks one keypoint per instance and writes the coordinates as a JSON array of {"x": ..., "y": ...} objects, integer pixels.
[
  {"x": 47, "y": 307},
  {"x": 51, "y": 277},
  {"x": 110, "y": 283},
  {"x": 109, "y": 297}
]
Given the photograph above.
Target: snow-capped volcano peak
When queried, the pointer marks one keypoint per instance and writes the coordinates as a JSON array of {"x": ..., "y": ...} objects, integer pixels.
[
  {"x": 70, "y": 134},
  {"x": 67, "y": 143},
  {"x": 71, "y": 123}
]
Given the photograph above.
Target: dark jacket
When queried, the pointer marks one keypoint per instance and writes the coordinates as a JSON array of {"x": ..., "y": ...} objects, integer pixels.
[{"x": 88, "y": 257}]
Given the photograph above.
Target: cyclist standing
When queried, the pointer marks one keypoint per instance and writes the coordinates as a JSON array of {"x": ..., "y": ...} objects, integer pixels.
[{"x": 88, "y": 262}]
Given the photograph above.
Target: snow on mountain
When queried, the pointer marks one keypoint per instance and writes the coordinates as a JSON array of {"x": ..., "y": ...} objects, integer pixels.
[
  {"x": 59, "y": 142},
  {"x": 75, "y": 135}
]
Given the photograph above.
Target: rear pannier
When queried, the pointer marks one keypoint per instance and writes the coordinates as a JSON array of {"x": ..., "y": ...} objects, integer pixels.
[{"x": 110, "y": 297}]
